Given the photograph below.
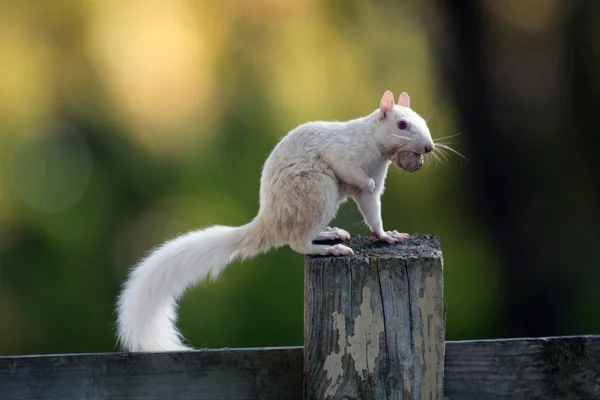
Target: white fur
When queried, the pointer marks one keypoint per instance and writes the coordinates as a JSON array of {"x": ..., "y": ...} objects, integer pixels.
[{"x": 313, "y": 169}]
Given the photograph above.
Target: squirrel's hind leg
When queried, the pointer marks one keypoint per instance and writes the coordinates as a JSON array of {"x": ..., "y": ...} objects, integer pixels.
[
  {"x": 315, "y": 199},
  {"x": 332, "y": 234},
  {"x": 323, "y": 250}
]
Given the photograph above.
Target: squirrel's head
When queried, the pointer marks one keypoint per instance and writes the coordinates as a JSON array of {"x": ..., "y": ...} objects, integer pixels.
[{"x": 400, "y": 129}]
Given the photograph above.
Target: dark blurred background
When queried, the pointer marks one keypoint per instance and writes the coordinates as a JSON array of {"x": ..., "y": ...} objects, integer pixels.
[{"x": 125, "y": 123}]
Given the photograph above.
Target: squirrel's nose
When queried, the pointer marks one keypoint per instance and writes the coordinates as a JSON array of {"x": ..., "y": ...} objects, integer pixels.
[{"x": 428, "y": 148}]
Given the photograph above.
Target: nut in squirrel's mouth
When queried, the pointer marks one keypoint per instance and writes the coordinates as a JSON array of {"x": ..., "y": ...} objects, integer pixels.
[{"x": 408, "y": 160}]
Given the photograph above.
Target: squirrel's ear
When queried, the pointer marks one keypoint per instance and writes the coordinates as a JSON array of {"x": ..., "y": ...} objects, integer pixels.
[
  {"x": 387, "y": 103},
  {"x": 404, "y": 100}
]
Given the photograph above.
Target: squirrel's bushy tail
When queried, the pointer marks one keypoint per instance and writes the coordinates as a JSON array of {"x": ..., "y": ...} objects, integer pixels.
[{"x": 147, "y": 305}]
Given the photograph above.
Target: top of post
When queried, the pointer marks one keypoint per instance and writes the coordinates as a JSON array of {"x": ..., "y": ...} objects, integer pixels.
[{"x": 417, "y": 246}]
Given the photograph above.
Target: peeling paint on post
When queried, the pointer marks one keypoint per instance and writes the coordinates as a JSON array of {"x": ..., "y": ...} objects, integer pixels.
[
  {"x": 333, "y": 363},
  {"x": 375, "y": 333},
  {"x": 428, "y": 354},
  {"x": 362, "y": 346}
]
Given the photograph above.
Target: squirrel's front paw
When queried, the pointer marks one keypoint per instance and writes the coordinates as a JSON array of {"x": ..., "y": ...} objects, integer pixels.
[
  {"x": 371, "y": 185},
  {"x": 391, "y": 237}
]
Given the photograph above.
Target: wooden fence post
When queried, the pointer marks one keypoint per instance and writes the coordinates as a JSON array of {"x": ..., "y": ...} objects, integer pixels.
[{"x": 374, "y": 323}]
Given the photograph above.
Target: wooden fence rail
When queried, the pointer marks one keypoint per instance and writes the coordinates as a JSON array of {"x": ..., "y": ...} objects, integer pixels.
[
  {"x": 539, "y": 368},
  {"x": 374, "y": 329}
]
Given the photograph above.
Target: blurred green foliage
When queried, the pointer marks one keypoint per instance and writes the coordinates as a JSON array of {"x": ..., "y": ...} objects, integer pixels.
[{"x": 124, "y": 124}]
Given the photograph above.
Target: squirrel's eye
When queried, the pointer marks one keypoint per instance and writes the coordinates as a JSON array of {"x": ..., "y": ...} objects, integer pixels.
[{"x": 402, "y": 125}]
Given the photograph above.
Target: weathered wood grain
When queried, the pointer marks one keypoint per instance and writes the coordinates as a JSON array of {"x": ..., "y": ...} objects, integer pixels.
[
  {"x": 557, "y": 368},
  {"x": 247, "y": 374},
  {"x": 524, "y": 369},
  {"x": 374, "y": 322}
]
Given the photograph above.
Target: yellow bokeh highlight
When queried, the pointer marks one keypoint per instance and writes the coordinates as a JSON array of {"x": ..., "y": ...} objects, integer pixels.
[
  {"x": 26, "y": 81},
  {"x": 156, "y": 67}
]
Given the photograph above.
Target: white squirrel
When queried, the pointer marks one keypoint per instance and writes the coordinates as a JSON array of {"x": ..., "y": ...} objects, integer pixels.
[{"x": 309, "y": 173}]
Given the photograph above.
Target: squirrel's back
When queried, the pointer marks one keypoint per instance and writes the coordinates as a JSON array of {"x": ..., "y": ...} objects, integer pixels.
[{"x": 298, "y": 154}]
